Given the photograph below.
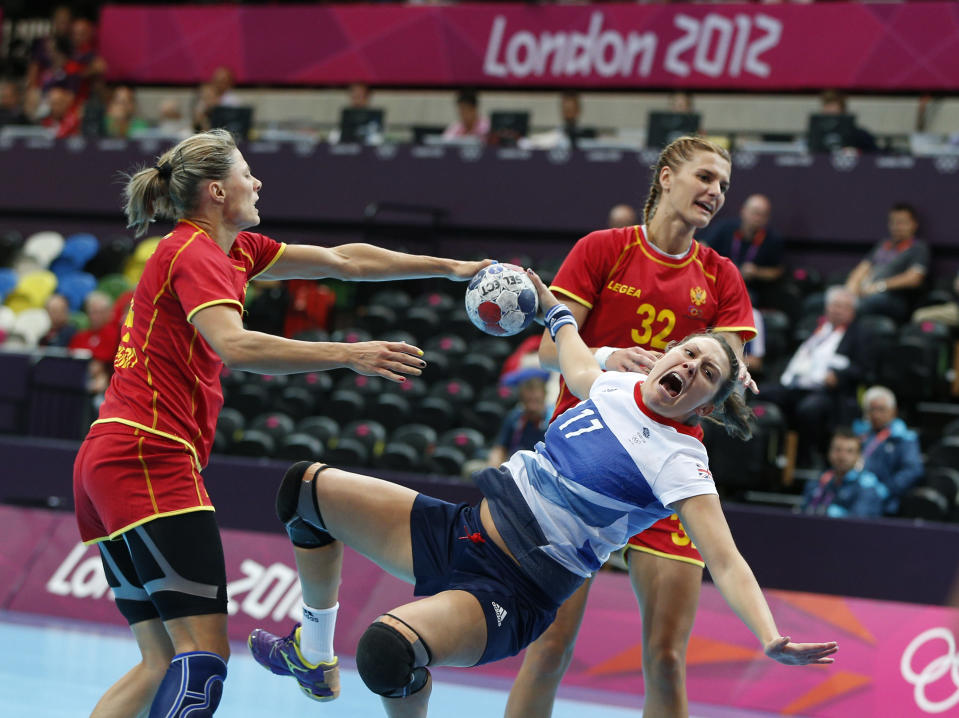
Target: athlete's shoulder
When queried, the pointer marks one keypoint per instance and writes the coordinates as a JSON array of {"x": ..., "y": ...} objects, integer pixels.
[
  {"x": 616, "y": 237},
  {"x": 712, "y": 261},
  {"x": 253, "y": 238}
]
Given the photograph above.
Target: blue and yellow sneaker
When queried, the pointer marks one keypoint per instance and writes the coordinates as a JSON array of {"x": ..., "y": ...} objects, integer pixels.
[{"x": 282, "y": 656}]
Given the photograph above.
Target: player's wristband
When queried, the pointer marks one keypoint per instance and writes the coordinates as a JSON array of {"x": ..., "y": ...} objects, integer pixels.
[
  {"x": 602, "y": 355},
  {"x": 556, "y": 317}
]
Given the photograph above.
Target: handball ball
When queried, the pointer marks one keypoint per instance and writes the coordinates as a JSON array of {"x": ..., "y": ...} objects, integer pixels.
[{"x": 501, "y": 300}]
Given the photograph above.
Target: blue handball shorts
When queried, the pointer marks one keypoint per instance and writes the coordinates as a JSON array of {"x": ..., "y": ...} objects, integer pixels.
[{"x": 451, "y": 551}]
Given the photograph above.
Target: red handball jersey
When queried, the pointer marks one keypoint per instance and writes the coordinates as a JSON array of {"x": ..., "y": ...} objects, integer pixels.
[
  {"x": 639, "y": 296},
  {"x": 166, "y": 377}
]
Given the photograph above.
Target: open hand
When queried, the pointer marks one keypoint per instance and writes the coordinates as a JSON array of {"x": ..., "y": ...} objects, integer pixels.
[
  {"x": 632, "y": 359},
  {"x": 386, "y": 359},
  {"x": 782, "y": 649},
  {"x": 746, "y": 379},
  {"x": 546, "y": 299},
  {"x": 466, "y": 270}
]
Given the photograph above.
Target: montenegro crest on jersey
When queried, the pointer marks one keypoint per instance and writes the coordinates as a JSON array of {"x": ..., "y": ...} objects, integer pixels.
[{"x": 697, "y": 295}]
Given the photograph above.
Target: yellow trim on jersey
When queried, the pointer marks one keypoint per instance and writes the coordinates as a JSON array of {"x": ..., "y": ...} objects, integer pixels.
[
  {"x": 157, "y": 432},
  {"x": 736, "y": 330},
  {"x": 247, "y": 255},
  {"x": 622, "y": 254},
  {"x": 120, "y": 532},
  {"x": 659, "y": 260},
  {"x": 280, "y": 251},
  {"x": 196, "y": 485},
  {"x": 197, "y": 308},
  {"x": 169, "y": 274},
  {"x": 580, "y": 300},
  {"x": 195, "y": 226},
  {"x": 146, "y": 474},
  {"x": 662, "y": 554}
]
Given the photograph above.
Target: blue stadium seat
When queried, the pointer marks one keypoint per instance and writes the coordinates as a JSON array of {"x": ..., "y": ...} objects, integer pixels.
[
  {"x": 75, "y": 286},
  {"x": 78, "y": 249},
  {"x": 8, "y": 280}
]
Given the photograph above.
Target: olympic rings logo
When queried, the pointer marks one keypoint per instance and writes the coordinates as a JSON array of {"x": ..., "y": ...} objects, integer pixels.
[{"x": 936, "y": 669}]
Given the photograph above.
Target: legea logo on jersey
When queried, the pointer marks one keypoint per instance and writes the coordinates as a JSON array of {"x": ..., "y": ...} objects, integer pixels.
[{"x": 697, "y": 295}]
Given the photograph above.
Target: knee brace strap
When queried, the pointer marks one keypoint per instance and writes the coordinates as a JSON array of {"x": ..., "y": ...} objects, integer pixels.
[
  {"x": 389, "y": 664},
  {"x": 296, "y": 507},
  {"x": 191, "y": 687}
]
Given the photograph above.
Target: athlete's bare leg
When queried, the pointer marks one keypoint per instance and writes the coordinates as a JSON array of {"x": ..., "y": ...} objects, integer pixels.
[
  {"x": 133, "y": 693},
  {"x": 668, "y": 593},
  {"x": 546, "y": 660},
  {"x": 373, "y": 517},
  {"x": 453, "y": 625},
  {"x": 200, "y": 633}
]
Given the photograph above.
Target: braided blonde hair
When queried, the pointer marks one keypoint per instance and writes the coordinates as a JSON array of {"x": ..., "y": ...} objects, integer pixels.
[{"x": 676, "y": 153}]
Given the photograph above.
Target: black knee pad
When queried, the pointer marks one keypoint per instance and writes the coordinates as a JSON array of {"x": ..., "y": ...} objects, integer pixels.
[
  {"x": 296, "y": 507},
  {"x": 389, "y": 664}
]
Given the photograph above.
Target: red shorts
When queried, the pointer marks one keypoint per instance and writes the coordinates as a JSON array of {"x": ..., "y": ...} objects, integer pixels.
[
  {"x": 667, "y": 538},
  {"x": 123, "y": 477}
]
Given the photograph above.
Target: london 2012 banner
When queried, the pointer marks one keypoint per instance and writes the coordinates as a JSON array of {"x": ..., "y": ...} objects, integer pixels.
[{"x": 894, "y": 46}]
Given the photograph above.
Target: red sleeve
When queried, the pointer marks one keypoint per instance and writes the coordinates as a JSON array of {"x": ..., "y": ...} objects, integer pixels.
[
  {"x": 257, "y": 251},
  {"x": 585, "y": 269},
  {"x": 202, "y": 275},
  {"x": 735, "y": 312}
]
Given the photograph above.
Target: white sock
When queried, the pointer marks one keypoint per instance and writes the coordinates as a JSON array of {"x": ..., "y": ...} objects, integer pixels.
[{"x": 316, "y": 633}]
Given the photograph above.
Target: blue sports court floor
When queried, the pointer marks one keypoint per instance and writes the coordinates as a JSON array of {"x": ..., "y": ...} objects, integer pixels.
[{"x": 51, "y": 668}]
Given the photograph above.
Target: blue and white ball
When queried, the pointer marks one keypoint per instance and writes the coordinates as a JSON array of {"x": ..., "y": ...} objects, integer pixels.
[{"x": 501, "y": 300}]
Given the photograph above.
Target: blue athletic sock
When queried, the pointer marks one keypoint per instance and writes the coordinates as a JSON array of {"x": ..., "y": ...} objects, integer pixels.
[{"x": 191, "y": 687}]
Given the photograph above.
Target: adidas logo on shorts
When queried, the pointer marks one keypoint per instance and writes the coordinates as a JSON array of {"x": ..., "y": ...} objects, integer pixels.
[{"x": 500, "y": 613}]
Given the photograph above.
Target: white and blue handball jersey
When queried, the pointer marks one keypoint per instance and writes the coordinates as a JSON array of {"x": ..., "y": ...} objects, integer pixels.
[{"x": 609, "y": 467}]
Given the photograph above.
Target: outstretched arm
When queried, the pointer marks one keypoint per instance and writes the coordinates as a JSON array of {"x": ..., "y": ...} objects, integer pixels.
[
  {"x": 576, "y": 360},
  {"x": 365, "y": 261},
  {"x": 614, "y": 359},
  {"x": 240, "y": 348},
  {"x": 703, "y": 518}
]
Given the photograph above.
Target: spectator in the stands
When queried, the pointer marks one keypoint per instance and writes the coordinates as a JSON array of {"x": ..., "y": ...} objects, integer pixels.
[
  {"x": 946, "y": 313},
  {"x": 217, "y": 92},
  {"x": 85, "y": 67},
  {"x": 886, "y": 280},
  {"x": 11, "y": 104},
  {"x": 753, "y": 246},
  {"x": 890, "y": 449},
  {"x": 121, "y": 115},
  {"x": 569, "y": 132},
  {"x": 817, "y": 389},
  {"x": 470, "y": 122},
  {"x": 525, "y": 424},
  {"x": 845, "y": 488},
  {"x": 223, "y": 81},
  {"x": 61, "y": 330},
  {"x": 621, "y": 215},
  {"x": 681, "y": 101},
  {"x": 101, "y": 340},
  {"x": 53, "y": 47},
  {"x": 360, "y": 95},
  {"x": 63, "y": 112},
  {"x": 833, "y": 102},
  {"x": 171, "y": 123}
]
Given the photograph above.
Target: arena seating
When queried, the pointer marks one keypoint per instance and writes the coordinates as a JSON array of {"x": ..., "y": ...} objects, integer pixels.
[{"x": 368, "y": 421}]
